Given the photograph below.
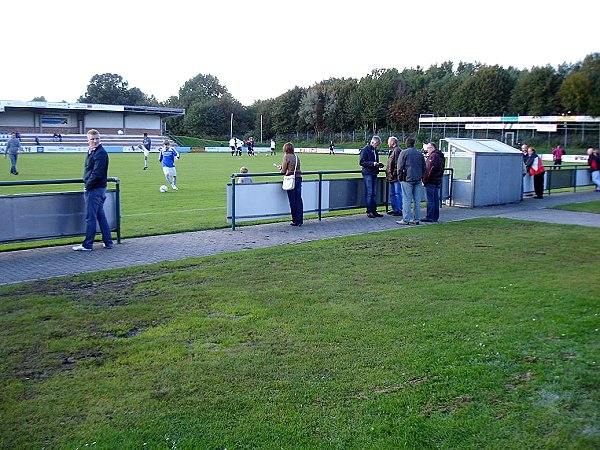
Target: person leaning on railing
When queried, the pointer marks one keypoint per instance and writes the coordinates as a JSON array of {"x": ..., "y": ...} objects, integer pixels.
[
  {"x": 594, "y": 163},
  {"x": 291, "y": 165}
]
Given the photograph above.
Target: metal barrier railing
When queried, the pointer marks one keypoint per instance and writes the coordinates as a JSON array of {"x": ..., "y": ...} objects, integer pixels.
[
  {"x": 76, "y": 181},
  {"x": 562, "y": 177},
  {"x": 320, "y": 174}
]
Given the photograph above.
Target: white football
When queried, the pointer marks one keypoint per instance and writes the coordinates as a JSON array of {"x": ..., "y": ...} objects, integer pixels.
[{"x": 163, "y": 188}]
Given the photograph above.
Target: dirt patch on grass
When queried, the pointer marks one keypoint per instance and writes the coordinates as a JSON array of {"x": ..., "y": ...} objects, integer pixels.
[
  {"x": 34, "y": 368},
  {"x": 447, "y": 408}
]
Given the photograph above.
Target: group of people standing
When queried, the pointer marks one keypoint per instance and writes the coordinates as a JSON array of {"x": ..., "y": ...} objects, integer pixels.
[
  {"x": 406, "y": 171},
  {"x": 236, "y": 146}
]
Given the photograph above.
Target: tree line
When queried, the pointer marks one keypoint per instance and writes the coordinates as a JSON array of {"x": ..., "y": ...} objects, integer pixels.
[{"x": 385, "y": 99}]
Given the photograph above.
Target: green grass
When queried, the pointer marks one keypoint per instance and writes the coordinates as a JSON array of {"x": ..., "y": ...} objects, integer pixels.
[
  {"x": 464, "y": 335},
  {"x": 591, "y": 207},
  {"x": 199, "y": 204}
]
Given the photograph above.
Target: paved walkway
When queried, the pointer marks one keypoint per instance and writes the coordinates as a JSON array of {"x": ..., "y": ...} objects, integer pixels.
[{"x": 42, "y": 263}]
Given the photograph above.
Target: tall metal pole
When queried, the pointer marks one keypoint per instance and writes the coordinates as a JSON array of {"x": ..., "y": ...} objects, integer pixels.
[
  {"x": 231, "y": 127},
  {"x": 261, "y": 129}
]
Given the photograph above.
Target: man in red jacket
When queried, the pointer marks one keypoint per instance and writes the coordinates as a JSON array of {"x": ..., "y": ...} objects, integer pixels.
[{"x": 432, "y": 181}]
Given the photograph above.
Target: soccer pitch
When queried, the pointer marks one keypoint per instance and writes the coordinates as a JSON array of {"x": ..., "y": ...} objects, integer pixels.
[{"x": 200, "y": 203}]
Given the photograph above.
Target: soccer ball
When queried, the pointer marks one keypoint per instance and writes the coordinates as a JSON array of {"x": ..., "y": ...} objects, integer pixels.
[{"x": 163, "y": 188}]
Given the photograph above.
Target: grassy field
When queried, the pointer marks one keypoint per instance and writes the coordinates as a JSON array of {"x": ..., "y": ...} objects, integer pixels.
[
  {"x": 199, "y": 204},
  {"x": 591, "y": 207},
  {"x": 417, "y": 338}
]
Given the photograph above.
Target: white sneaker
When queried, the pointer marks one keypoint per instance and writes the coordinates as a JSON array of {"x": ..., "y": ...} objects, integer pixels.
[
  {"x": 81, "y": 248},
  {"x": 174, "y": 187}
]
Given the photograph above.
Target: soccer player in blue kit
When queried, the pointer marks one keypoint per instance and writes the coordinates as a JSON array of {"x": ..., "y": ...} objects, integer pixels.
[{"x": 167, "y": 158}]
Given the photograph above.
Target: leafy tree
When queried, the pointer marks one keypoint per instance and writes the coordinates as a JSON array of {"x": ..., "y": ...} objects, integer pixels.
[
  {"x": 342, "y": 114},
  {"x": 38, "y": 99},
  {"x": 486, "y": 93},
  {"x": 201, "y": 88},
  {"x": 312, "y": 107},
  {"x": 206, "y": 118},
  {"x": 264, "y": 109},
  {"x": 375, "y": 92},
  {"x": 536, "y": 92},
  {"x": 580, "y": 91},
  {"x": 106, "y": 89},
  {"x": 440, "y": 83},
  {"x": 285, "y": 111}
]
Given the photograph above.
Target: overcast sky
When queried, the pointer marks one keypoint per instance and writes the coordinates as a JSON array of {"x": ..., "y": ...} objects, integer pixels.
[{"x": 260, "y": 49}]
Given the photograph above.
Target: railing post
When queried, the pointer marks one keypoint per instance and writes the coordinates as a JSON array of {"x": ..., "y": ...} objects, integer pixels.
[
  {"x": 320, "y": 192},
  {"x": 118, "y": 206},
  {"x": 233, "y": 202}
]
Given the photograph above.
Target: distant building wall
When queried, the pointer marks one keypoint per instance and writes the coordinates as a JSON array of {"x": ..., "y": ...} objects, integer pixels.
[
  {"x": 142, "y": 122},
  {"x": 17, "y": 119},
  {"x": 99, "y": 119}
]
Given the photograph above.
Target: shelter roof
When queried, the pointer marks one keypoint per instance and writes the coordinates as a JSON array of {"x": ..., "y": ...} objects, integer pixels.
[{"x": 481, "y": 145}]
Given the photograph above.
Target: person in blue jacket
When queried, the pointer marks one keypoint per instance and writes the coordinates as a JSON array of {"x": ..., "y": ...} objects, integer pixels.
[
  {"x": 369, "y": 161},
  {"x": 94, "y": 178}
]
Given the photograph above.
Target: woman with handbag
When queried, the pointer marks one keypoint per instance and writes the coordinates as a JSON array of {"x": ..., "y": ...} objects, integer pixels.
[
  {"x": 536, "y": 169},
  {"x": 290, "y": 166}
]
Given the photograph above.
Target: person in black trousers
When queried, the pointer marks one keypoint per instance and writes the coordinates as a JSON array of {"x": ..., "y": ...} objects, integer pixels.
[{"x": 535, "y": 168}]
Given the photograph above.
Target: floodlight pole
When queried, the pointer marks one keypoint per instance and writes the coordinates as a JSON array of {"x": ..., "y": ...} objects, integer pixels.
[
  {"x": 261, "y": 128},
  {"x": 231, "y": 127}
]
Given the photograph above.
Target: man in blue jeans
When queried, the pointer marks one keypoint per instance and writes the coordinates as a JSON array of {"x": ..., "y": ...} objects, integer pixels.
[
  {"x": 13, "y": 146},
  {"x": 433, "y": 181},
  {"x": 369, "y": 161},
  {"x": 391, "y": 176},
  {"x": 411, "y": 169},
  {"x": 94, "y": 178}
]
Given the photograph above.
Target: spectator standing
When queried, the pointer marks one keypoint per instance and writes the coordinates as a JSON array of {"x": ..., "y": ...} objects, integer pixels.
[
  {"x": 524, "y": 148},
  {"x": 13, "y": 147},
  {"x": 145, "y": 147},
  {"x": 94, "y": 178},
  {"x": 167, "y": 158},
  {"x": 369, "y": 161},
  {"x": 411, "y": 169},
  {"x": 594, "y": 163},
  {"x": 557, "y": 154},
  {"x": 232, "y": 145},
  {"x": 391, "y": 176},
  {"x": 291, "y": 165},
  {"x": 273, "y": 151},
  {"x": 244, "y": 180},
  {"x": 331, "y": 148},
  {"x": 536, "y": 169},
  {"x": 434, "y": 173}
]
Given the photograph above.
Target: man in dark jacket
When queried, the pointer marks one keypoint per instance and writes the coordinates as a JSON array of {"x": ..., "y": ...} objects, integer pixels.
[
  {"x": 432, "y": 180},
  {"x": 369, "y": 161},
  {"x": 94, "y": 178},
  {"x": 391, "y": 176},
  {"x": 411, "y": 169}
]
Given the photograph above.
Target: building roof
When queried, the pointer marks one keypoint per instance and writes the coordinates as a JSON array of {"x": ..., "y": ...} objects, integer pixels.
[
  {"x": 481, "y": 145},
  {"x": 63, "y": 106}
]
